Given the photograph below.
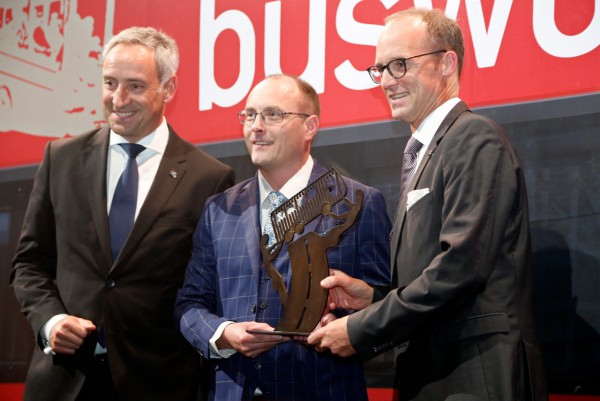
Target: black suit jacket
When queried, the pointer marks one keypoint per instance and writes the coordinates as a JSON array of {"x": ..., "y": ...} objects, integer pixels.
[
  {"x": 461, "y": 260},
  {"x": 63, "y": 264}
]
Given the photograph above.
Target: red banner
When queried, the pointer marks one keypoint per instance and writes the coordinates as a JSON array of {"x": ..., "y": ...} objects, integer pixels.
[{"x": 50, "y": 63}]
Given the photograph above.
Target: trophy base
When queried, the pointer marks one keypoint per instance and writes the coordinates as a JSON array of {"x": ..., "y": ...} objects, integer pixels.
[{"x": 279, "y": 332}]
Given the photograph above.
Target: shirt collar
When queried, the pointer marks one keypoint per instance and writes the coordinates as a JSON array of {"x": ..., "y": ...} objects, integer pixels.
[
  {"x": 427, "y": 129},
  {"x": 298, "y": 182},
  {"x": 155, "y": 142}
]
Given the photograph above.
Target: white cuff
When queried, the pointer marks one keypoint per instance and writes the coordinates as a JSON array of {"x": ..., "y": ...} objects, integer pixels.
[
  {"x": 47, "y": 329},
  {"x": 215, "y": 352}
]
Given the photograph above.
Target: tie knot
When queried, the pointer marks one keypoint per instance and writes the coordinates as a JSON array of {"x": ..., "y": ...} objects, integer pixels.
[
  {"x": 276, "y": 199},
  {"x": 132, "y": 149},
  {"x": 412, "y": 146}
]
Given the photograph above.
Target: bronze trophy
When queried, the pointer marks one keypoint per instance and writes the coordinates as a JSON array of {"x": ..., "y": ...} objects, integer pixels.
[{"x": 305, "y": 303}]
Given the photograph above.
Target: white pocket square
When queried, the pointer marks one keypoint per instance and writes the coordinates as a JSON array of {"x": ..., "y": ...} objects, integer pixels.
[{"x": 413, "y": 196}]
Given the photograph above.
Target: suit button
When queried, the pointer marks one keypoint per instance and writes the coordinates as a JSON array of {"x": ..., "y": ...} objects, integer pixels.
[
  {"x": 253, "y": 308},
  {"x": 263, "y": 306},
  {"x": 110, "y": 284},
  {"x": 267, "y": 276},
  {"x": 257, "y": 366}
]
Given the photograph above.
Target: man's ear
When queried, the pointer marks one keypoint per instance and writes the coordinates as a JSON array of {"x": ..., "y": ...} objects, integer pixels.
[
  {"x": 312, "y": 126},
  {"x": 449, "y": 63},
  {"x": 169, "y": 88}
]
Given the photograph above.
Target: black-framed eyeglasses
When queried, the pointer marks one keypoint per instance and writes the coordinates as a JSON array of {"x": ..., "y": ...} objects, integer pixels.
[
  {"x": 396, "y": 67},
  {"x": 269, "y": 116}
]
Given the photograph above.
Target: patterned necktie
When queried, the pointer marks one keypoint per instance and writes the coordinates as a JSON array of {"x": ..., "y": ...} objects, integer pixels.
[
  {"x": 409, "y": 165},
  {"x": 276, "y": 199},
  {"x": 124, "y": 202}
]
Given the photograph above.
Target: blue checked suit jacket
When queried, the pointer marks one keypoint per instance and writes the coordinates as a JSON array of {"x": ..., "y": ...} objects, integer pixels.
[{"x": 226, "y": 280}]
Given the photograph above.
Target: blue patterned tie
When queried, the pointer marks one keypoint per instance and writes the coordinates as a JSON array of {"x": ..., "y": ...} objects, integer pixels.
[
  {"x": 409, "y": 165},
  {"x": 124, "y": 202},
  {"x": 276, "y": 199}
]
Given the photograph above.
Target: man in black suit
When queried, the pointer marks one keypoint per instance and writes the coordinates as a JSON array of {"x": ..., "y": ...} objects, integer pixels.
[
  {"x": 103, "y": 317},
  {"x": 461, "y": 311}
]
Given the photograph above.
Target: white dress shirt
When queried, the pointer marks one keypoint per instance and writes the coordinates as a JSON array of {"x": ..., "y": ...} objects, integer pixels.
[{"x": 427, "y": 129}]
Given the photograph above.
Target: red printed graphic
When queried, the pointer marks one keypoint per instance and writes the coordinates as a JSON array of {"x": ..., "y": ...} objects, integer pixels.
[{"x": 50, "y": 58}]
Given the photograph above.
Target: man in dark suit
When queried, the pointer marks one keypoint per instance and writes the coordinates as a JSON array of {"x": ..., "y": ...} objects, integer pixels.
[
  {"x": 227, "y": 290},
  {"x": 461, "y": 311},
  {"x": 104, "y": 323}
]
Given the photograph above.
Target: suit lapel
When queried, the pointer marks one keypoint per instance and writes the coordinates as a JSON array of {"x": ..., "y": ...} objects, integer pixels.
[
  {"x": 94, "y": 159},
  {"x": 170, "y": 173},
  {"x": 316, "y": 172},
  {"x": 250, "y": 209},
  {"x": 437, "y": 138}
]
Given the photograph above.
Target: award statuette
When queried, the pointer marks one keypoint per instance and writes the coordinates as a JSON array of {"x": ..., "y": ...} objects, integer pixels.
[{"x": 305, "y": 303}]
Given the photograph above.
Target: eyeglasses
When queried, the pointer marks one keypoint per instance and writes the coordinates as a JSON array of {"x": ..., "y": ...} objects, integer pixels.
[
  {"x": 269, "y": 116},
  {"x": 396, "y": 67}
]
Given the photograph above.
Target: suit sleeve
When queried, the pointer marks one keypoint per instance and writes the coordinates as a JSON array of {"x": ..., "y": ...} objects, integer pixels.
[
  {"x": 373, "y": 232},
  {"x": 34, "y": 264},
  {"x": 452, "y": 247},
  {"x": 196, "y": 306}
]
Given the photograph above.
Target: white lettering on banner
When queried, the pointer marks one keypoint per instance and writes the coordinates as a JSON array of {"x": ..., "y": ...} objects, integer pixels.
[
  {"x": 555, "y": 42},
  {"x": 210, "y": 28},
  {"x": 487, "y": 41},
  {"x": 315, "y": 67},
  {"x": 451, "y": 10},
  {"x": 357, "y": 33}
]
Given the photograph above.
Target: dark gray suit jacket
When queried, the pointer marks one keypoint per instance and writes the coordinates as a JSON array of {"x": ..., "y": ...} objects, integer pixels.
[
  {"x": 63, "y": 264},
  {"x": 461, "y": 260}
]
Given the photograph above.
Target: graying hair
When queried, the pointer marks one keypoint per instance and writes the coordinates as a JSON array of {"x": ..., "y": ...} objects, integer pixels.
[{"x": 166, "y": 54}]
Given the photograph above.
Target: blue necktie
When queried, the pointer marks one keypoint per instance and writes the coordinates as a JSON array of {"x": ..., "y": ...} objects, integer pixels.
[
  {"x": 124, "y": 202},
  {"x": 276, "y": 199}
]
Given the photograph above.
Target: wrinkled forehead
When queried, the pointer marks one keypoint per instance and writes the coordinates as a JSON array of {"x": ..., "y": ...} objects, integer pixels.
[{"x": 130, "y": 60}]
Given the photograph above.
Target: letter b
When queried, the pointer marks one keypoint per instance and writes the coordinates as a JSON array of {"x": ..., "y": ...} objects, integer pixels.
[{"x": 210, "y": 28}]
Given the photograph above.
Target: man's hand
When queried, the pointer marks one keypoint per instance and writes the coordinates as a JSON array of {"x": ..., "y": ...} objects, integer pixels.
[
  {"x": 347, "y": 292},
  {"x": 333, "y": 336},
  {"x": 68, "y": 334},
  {"x": 235, "y": 336}
]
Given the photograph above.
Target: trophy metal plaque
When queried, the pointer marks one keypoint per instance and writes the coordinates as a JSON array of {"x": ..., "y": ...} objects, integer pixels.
[{"x": 304, "y": 304}]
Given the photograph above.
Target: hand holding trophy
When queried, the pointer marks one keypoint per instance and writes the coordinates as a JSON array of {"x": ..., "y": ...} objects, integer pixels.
[{"x": 306, "y": 300}]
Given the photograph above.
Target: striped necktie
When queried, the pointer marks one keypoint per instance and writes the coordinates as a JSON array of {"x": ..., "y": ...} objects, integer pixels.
[{"x": 409, "y": 165}]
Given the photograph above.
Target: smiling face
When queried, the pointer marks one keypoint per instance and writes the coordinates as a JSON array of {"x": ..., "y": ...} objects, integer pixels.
[
  {"x": 280, "y": 150},
  {"x": 133, "y": 99},
  {"x": 425, "y": 86}
]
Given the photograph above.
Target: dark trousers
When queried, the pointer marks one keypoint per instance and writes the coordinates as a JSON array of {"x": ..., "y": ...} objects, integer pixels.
[{"x": 98, "y": 385}]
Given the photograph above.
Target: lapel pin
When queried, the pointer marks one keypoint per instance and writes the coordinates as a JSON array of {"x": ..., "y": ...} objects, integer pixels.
[{"x": 173, "y": 174}]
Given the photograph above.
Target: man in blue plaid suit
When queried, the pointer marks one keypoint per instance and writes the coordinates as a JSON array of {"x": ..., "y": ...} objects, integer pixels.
[{"x": 227, "y": 290}]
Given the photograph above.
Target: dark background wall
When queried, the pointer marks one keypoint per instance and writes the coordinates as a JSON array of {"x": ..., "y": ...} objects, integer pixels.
[{"x": 559, "y": 144}]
